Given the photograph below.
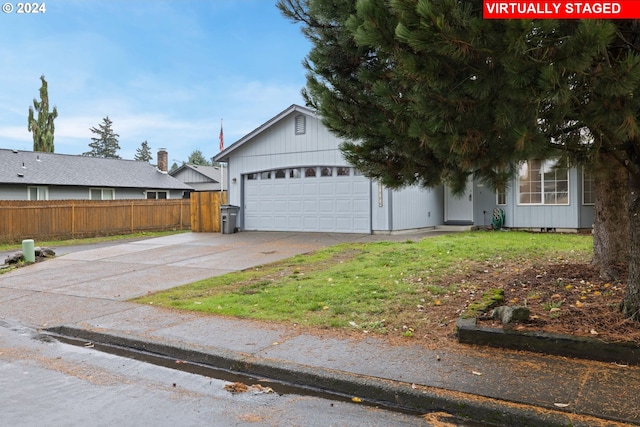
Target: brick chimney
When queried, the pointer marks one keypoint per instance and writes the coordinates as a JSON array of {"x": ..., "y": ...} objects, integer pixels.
[{"x": 163, "y": 161}]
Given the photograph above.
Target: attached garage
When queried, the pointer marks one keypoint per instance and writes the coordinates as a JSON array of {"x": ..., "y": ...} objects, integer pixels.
[
  {"x": 290, "y": 175},
  {"x": 314, "y": 198}
]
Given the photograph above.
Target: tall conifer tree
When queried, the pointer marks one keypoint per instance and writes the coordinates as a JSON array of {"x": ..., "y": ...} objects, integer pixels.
[
  {"x": 105, "y": 144},
  {"x": 40, "y": 121},
  {"x": 429, "y": 92},
  {"x": 143, "y": 154}
]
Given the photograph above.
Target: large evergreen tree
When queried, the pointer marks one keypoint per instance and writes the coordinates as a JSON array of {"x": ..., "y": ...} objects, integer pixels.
[
  {"x": 143, "y": 154},
  {"x": 197, "y": 158},
  {"x": 105, "y": 143},
  {"x": 429, "y": 92},
  {"x": 42, "y": 126}
]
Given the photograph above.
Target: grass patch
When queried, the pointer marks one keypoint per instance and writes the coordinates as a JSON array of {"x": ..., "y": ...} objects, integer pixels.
[
  {"x": 404, "y": 288},
  {"x": 90, "y": 240}
]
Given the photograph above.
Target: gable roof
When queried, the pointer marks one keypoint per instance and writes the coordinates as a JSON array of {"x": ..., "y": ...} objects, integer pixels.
[
  {"x": 35, "y": 168},
  {"x": 211, "y": 172},
  {"x": 223, "y": 156}
]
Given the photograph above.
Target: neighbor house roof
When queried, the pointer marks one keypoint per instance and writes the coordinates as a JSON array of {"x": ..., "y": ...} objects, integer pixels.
[
  {"x": 35, "y": 168},
  {"x": 211, "y": 176},
  {"x": 223, "y": 156}
]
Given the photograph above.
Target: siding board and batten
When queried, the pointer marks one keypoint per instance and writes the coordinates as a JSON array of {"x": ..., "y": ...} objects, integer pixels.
[{"x": 296, "y": 138}]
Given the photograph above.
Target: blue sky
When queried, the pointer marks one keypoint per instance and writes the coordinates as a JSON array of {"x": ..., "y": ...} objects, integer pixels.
[{"x": 163, "y": 71}]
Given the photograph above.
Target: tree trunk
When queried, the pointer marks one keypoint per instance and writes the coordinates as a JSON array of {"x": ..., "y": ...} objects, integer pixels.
[
  {"x": 611, "y": 217},
  {"x": 631, "y": 303}
]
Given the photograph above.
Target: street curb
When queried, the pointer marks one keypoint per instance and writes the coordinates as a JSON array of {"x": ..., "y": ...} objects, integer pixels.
[
  {"x": 373, "y": 390},
  {"x": 547, "y": 343}
]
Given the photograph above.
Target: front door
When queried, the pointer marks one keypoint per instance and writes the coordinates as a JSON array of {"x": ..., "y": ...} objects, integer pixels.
[{"x": 459, "y": 209}]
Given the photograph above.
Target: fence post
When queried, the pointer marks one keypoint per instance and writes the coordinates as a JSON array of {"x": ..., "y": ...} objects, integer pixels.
[{"x": 73, "y": 220}]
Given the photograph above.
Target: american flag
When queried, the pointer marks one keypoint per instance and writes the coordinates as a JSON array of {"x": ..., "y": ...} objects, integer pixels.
[{"x": 221, "y": 137}]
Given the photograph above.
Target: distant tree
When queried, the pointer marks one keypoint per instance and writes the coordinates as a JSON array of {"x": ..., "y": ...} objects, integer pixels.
[
  {"x": 174, "y": 166},
  {"x": 106, "y": 142},
  {"x": 42, "y": 127},
  {"x": 143, "y": 154},
  {"x": 197, "y": 158}
]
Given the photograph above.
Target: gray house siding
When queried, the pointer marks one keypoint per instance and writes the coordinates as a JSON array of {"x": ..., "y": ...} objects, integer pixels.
[
  {"x": 279, "y": 145},
  {"x": 280, "y": 148},
  {"x": 201, "y": 178},
  {"x": 20, "y": 192},
  {"x": 549, "y": 216},
  {"x": 73, "y": 177},
  {"x": 405, "y": 209}
]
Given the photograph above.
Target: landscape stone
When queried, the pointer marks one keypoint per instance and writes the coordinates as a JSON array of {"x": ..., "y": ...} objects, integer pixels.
[{"x": 511, "y": 314}]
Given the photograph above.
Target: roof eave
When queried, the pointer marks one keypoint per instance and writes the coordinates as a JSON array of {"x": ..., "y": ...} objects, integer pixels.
[{"x": 223, "y": 156}]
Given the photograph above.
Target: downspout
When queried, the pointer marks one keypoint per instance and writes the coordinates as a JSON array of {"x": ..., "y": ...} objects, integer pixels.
[{"x": 390, "y": 209}]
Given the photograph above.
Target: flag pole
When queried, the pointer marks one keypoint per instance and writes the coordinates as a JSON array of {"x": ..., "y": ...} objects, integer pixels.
[{"x": 222, "y": 165}]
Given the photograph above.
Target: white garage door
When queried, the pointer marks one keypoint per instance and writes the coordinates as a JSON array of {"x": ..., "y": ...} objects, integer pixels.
[{"x": 331, "y": 199}]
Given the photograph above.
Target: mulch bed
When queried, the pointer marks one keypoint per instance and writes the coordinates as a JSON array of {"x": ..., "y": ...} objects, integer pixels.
[{"x": 568, "y": 298}]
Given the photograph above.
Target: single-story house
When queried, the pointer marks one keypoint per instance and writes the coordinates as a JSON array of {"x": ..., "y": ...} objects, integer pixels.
[
  {"x": 289, "y": 175},
  {"x": 201, "y": 178},
  {"x": 29, "y": 175}
]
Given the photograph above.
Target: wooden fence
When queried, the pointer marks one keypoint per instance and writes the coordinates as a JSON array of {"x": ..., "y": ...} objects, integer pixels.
[
  {"x": 64, "y": 219},
  {"x": 205, "y": 211}
]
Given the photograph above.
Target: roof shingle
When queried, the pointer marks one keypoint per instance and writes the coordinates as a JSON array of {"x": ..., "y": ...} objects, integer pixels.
[{"x": 35, "y": 168}]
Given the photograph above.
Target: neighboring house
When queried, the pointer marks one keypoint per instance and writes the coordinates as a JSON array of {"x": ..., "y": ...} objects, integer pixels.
[
  {"x": 28, "y": 175},
  {"x": 289, "y": 175},
  {"x": 201, "y": 178}
]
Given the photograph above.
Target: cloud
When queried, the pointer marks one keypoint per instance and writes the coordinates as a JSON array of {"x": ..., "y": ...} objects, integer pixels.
[{"x": 168, "y": 78}]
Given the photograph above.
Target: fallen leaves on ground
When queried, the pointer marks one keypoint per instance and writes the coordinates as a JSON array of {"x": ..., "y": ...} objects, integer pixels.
[
  {"x": 569, "y": 298},
  {"x": 239, "y": 387}
]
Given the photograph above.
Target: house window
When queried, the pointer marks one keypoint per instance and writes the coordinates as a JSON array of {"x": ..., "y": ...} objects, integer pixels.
[
  {"x": 326, "y": 172},
  {"x": 157, "y": 195},
  {"x": 588, "y": 188},
  {"x": 301, "y": 124},
  {"x": 294, "y": 173},
  {"x": 501, "y": 197},
  {"x": 543, "y": 182},
  {"x": 265, "y": 175},
  {"x": 310, "y": 172},
  {"x": 344, "y": 171},
  {"x": 281, "y": 174},
  {"x": 252, "y": 176},
  {"x": 101, "y": 194},
  {"x": 38, "y": 193}
]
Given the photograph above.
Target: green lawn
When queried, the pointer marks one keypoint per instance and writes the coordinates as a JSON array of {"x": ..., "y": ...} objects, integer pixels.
[
  {"x": 379, "y": 287},
  {"x": 89, "y": 240}
]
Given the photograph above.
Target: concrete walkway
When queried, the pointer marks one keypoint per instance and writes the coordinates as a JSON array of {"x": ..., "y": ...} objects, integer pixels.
[{"x": 84, "y": 293}]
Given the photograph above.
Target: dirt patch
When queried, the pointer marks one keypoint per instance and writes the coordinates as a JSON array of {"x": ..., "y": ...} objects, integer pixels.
[
  {"x": 568, "y": 299},
  {"x": 563, "y": 297}
]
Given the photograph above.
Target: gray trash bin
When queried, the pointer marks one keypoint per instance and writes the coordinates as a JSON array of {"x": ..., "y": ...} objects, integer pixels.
[{"x": 228, "y": 217}]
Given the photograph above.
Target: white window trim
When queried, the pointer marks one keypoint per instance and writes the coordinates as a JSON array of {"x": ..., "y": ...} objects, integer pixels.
[
  {"x": 157, "y": 191},
  {"x": 38, "y": 188},
  {"x": 101, "y": 189},
  {"x": 542, "y": 203},
  {"x": 594, "y": 190}
]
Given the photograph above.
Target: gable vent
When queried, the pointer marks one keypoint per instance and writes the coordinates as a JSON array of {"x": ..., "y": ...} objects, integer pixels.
[{"x": 301, "y": 124}]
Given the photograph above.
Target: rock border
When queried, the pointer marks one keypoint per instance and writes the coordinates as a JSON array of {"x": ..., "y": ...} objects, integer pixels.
[
  {"x": 469, "y": 332},
  {"x": 40, "y": 253}
]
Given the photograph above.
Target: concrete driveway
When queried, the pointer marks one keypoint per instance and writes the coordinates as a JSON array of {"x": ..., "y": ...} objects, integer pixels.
[{"x": 83, "y": 284}]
